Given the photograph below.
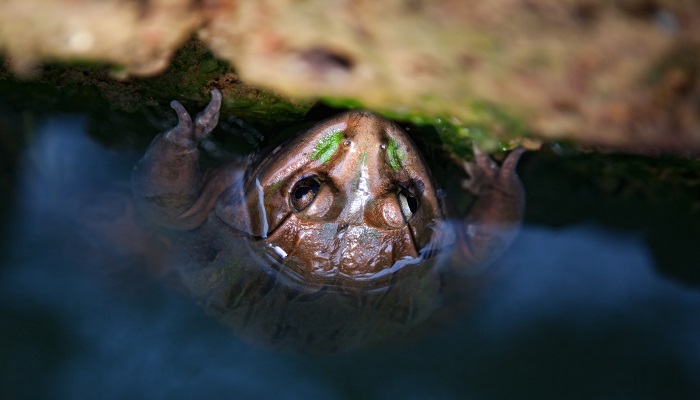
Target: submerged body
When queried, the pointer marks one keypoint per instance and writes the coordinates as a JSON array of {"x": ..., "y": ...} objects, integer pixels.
[{"x": 335, "y": 239}]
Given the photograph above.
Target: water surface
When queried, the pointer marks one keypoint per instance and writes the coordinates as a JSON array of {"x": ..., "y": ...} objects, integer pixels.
[{"x": 597, "y": 298}]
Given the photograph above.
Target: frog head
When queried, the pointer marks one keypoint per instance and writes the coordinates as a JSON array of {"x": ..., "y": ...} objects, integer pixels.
[{"x": 347, "y": 199}]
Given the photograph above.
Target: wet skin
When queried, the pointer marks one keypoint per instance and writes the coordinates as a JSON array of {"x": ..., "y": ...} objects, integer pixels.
[{"x": 334, "y": 239}]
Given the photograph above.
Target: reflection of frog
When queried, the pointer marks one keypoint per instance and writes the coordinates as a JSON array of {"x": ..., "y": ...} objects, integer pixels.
[{"x": 333, "y": 239}]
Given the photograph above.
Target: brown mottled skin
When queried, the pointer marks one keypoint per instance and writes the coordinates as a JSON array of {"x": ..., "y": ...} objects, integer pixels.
[{"x": 321, "y": 247}]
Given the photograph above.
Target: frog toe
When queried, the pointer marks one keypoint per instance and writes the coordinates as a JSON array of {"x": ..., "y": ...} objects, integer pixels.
[
  {"x": 511, "y": 161},
  {"x": 208, "y": 118},
  {"x": 181, "y": 133},
  {"x": 483, "y": 171}
]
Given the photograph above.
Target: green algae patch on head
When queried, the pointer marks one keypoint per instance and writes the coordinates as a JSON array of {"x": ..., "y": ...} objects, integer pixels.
[
  {"x": 327, "y": 146},
  {"x": 394, "y": 154}
]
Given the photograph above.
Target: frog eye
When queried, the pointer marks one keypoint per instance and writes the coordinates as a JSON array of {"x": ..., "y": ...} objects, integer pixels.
[
  {"x": 408, "y": 203},
  {"x": 304, "y": 192}
]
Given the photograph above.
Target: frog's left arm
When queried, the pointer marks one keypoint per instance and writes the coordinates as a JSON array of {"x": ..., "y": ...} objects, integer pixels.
[
  {"x": 168, "y": 185},
  {"x": 495, "y": 217}
]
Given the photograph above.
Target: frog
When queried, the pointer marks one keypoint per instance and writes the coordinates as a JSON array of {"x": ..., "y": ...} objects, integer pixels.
[{"x": 335, "y": 239}]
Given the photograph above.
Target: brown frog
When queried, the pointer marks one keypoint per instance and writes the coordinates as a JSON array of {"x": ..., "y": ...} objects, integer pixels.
[{"x": 334, "y": 239}]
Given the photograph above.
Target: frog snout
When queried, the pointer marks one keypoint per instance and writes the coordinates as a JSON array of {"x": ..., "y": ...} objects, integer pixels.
[{"x": 358, "y": 247}]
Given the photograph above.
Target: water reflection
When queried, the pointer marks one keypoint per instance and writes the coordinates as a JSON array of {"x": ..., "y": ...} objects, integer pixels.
[{"x": 579, "y": 312}]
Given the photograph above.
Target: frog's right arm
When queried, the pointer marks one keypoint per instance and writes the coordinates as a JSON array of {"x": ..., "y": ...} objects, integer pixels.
[
  {"x": 495, "y": 217},
  {"x": 167, "y": 182}
]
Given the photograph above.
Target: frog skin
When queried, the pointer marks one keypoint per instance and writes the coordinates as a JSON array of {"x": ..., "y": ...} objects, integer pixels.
[{"x": 334, "y": 239}]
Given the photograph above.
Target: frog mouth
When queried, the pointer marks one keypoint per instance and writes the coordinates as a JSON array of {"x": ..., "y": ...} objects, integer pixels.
[
  {"x": 335, "y": 279},
  {"x": 355, "y": 257}
]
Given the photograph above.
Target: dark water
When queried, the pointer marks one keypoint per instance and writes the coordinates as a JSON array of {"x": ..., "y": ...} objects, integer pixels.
[{"x": 598, "y": 298}]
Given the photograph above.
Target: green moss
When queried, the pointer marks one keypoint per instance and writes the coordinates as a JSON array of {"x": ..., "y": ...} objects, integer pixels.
[
  {"x": 342, "y": 102},
  {"x": 488, "y": 125},
  {"x": 208, "y": 64},
  {"x": 194, "y": 71},
  {"x": 395, "y": 154},
  {"x": 326, "y": 147},
  {"x": 127, "y": 113}
]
